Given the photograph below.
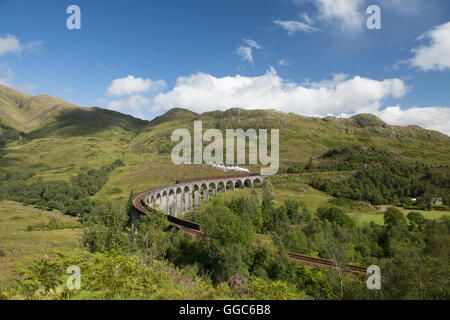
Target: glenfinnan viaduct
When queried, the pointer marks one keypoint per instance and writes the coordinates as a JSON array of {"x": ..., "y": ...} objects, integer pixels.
[{"x": 183, "y": 196}]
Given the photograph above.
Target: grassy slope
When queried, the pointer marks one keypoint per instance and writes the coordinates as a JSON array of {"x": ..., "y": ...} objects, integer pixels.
[
  {"x": 300, "y": 138},
  {"x": 378, "y": 218},
  {"x": 14, "y": 220},
  {"x": 64, "y": 140},
  {"x": 61, "y": 141}
]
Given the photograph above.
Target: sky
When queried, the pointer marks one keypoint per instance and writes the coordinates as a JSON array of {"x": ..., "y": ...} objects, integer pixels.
[{"x": 310, "y": 57}]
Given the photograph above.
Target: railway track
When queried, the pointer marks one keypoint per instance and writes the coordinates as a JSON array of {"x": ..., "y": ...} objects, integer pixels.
[{"x": 194, "y": 229}]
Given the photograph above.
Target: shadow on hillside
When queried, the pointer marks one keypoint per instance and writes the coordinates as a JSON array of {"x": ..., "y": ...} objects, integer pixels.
[{"x": 83, "y": 122}]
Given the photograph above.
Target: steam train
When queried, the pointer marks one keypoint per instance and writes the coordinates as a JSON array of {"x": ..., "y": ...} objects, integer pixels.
[{"x": 215, "y": 178}]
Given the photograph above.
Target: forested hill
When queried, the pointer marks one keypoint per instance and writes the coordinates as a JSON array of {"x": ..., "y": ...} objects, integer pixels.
[
  {"x": 42, "y": 137},
  {"x": 333, "y": 198}
]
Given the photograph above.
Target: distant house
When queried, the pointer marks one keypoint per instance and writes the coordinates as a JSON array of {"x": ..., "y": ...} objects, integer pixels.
[{"x": 437, "y": 201}]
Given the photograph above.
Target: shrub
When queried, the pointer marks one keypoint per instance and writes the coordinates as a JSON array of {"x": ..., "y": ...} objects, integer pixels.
[
  {"x": 112, "y": 276},
  {"x": 336, "y": 215},
  {"x": 104, "y": 229}
]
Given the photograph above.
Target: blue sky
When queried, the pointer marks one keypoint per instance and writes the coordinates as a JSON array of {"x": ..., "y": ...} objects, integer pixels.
[{"x": 311, "y": 57}]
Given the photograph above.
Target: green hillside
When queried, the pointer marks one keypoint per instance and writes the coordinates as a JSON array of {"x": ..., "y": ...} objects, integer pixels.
[
  {"x": 338, "y": 185},
  {"x": 59, "y": 140}
]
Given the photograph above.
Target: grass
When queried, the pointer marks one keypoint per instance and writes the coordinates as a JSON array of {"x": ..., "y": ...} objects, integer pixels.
[
  {"x": 61, "y": 142},
  {"x": 68, "y": 141},
  {"x": 378, "y": 218},
  {"x": 20, "y": 245}
]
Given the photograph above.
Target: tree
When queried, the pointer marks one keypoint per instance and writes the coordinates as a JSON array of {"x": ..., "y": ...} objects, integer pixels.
[
  {"x": 129, "y": 208},
  {"x": 396, "y": 228},
  {"x": 228, "y": 260},
  {"x": 394, "y": 218},
  {"x": 267, "y": 206},
  {"x": 337, "y": 253},
  {"x": 306, "y": 214},
  {"x": 104, "y": 229},
  {"x": 151, "y": 239},
  {"x": 309, "y": 166},
  {"x": 416, "y": 219},
  {"x": 292, "y": 207},
  {"x": 252, "y": 209},
  {"x": 223, "y": 226},
  {"x": 335, "y": 215}
]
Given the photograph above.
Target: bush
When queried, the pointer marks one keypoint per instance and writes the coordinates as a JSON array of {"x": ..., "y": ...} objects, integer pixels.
[
  {"x": 416, "y": 217},
  {"x": 335, "y": 215},
  {"x": 223, "y": 226},
  {"x": 111, "y": 276},
  {"x": 104, "y": 229},
  {"x": 53, "y": 224}
]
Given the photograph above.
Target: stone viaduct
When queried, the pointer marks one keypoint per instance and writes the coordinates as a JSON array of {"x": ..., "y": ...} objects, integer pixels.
[{"x": 185, "y": 195}]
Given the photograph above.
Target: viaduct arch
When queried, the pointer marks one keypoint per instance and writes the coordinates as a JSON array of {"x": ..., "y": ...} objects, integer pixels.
[{"x": 185, "y": 195}]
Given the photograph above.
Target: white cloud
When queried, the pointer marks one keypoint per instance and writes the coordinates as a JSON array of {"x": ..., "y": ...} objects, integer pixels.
[
  {"x": 292, "y": 26},
  {"x": 131, "y": 85},
  {"x": 434, "y": 118},
  {"x": 203, "y": 92},
  {"x": 130, "y": 90},
  {"x": 133, "y": 103},
  {"x": 252, "y": 43},
  {"x": 305, "y": 17},
  {"x": 6, "y": 75},
  {"x": 245, "y": 52},
  {"x": 341, "y": 95},
  {"x": 435, "y": 55},
  {"x": 283, "y": 63},
  {"x": 10, "y": 44},
  {"x": 347, "y": 13},
  {"x": 328, "y": 83}
]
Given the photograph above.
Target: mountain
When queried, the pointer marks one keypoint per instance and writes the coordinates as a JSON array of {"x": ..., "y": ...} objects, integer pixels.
[
  {"x": 45, "y": 115},
  {"x": 54, "y": 140}
]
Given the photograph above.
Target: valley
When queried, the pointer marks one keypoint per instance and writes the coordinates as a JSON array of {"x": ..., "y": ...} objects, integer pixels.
[{"x": 64, "y": 168}]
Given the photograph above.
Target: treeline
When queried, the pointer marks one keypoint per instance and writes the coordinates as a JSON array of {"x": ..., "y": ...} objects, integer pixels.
[
  {"x": 238, "y": 262},
  {"x": 228, "y": 260},
  {"x": 345, "y": 158},
  {"x": 69, "y": 197},
  {"x": 412, "y": 251},
  {"x": 125, "y": 264},
  {"x": 381, "y": 177},
  {"x": 394, "y": 183},
  {"x": 399, "y": 247}
]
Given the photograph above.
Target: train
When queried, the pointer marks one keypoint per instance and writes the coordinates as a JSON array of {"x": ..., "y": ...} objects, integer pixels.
[{"x": 216, "y": 178}]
